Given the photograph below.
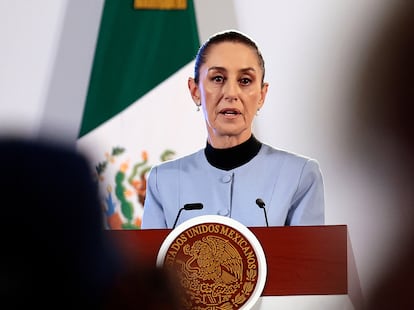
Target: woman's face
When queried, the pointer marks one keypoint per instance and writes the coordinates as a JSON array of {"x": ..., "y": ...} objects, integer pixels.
[{"x": 230, "y": 91}]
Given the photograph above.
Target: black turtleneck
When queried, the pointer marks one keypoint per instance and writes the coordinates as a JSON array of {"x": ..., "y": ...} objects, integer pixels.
[{"x": 227, "y": 159}]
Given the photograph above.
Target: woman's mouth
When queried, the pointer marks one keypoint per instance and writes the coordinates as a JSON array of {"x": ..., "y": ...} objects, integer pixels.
[{"x": 230, "y": 112}]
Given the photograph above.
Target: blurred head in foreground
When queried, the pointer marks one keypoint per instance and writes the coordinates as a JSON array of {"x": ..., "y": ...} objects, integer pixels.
[
  {"x": 55, "y": 251},
  {"x": 53, "y": 247},
  {"x": 382, "y": 133}
]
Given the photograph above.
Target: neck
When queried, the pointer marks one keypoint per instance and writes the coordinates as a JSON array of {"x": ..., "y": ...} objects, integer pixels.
[
  {"x": 232, "y": 157},
  {"x": 225, "y": 142}
]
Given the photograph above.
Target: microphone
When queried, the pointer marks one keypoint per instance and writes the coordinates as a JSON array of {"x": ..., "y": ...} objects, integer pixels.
[
  {"x": 261, "y": 205},
  {"x": 188, "y": 206}
]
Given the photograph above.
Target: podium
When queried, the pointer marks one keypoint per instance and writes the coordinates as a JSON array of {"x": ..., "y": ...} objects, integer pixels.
[{"x": 301, "y": 260}]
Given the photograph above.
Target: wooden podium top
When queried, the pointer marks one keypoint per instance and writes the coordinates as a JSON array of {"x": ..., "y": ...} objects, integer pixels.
[{"x": 301, "y": 260}]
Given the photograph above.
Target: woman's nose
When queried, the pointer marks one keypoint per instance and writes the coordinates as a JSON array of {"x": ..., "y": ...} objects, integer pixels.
[{"x": 231, "y": 91}]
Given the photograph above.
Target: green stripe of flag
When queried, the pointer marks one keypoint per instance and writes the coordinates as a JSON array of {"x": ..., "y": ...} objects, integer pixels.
[{"x": 136, "y": 50}]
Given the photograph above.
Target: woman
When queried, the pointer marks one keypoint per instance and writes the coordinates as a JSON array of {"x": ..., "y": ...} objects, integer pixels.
[{"x": 234, "y": 170}]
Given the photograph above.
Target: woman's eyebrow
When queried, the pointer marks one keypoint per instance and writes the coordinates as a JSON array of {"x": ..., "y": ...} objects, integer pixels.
[
  {"x": 243, "y": 70},
  {"x": 213, "y": 68},
  {"x": 248, "y": 69}
]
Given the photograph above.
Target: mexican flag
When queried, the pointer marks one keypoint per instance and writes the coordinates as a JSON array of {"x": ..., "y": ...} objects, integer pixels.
[{"x": 138, "y": 110}]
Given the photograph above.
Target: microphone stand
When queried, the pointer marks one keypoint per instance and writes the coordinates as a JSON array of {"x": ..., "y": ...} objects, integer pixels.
[
  {"x": 188, "y": 206},
  {"x": 261, "y": 205},
  {"x": 178, "y": 215}
]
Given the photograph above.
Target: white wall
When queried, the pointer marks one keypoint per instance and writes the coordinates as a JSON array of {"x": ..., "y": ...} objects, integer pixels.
[
  {"x": 28, "y": 36},
  {"x": 309, "y": 48},
  {"x": 45, "y": 59}
]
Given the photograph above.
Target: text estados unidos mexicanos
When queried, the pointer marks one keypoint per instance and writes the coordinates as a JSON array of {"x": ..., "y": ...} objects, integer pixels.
[{"x": 212, "y": 228}]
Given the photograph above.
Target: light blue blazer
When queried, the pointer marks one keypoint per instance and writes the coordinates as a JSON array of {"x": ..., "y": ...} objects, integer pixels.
[{"x": 291, "y": 186}]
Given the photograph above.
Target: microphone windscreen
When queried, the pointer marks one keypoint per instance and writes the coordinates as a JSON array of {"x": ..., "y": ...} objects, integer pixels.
[
  {"x": 193, "y": 206},
  {"x": 260, "y": 203}
]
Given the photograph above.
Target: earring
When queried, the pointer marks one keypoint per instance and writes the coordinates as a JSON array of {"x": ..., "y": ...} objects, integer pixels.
[
  {"x": 257, "y": 112},
  {"x": 198, "y": 107}
]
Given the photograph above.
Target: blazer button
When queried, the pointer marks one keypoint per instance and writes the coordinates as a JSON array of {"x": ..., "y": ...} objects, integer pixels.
[
  {"x": 226, "y": 178},
  {"x": 223, "y": 212}
]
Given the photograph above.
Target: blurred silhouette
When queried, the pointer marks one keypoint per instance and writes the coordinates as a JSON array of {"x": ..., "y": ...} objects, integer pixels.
[
  {"x": 383, "y": 134},
  {"x": 144, "y": 287},
  {"x": 53, "y": 247},
  {"x": 55, "y": 251}
]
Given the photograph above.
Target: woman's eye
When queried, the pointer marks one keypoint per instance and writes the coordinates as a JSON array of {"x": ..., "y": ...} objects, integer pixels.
[
  {"x": 218, "y": 79},
  {"x": 245, "y": 81}
]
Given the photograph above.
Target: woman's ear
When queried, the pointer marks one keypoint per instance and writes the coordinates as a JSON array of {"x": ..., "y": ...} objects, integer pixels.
[
  {"x": 194, "y": 91},
  {"x": 263, "y": 94}
]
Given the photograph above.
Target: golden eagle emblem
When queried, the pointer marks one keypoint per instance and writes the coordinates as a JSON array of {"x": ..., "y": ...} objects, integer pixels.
[
  {"x": 216, "y": 265},
  {"x": 213, "y": 259}
]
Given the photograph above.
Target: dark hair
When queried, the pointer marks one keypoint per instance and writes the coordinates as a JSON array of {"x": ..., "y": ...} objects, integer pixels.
[{"x": 225, "y": 36}]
